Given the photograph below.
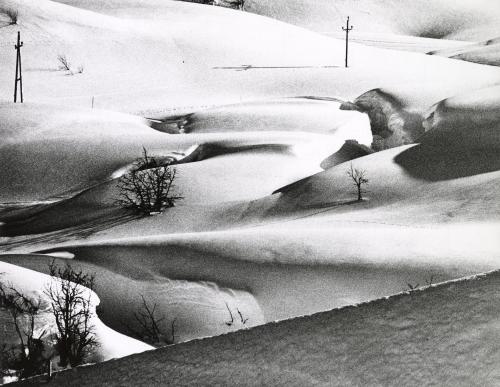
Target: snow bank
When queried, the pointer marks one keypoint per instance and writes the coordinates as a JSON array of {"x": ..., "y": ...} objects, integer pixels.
[
  {"x": 392, "y": 123},
  {"x": 466, "y": 115},
  {"x": 311, "y": 114},
  {"x": 281, "y": 264},
  {"x": 49, "y": 151},
  {"x": 402, "y": 340},
  {"x": 462, "y": 138},
  {"x": 350, "y": 150}
]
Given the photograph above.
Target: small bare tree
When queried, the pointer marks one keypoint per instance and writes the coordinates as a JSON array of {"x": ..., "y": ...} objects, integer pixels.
[
  {"x": 149, "y": 187},
  {"x": 412, "y": 287},
  {"x": 149, "y": 323},
  {"x": 70, "y": 296},
  {"x": 428, "y": 282},
  {"x": 26, "y": 358},
  {"x": 64, "y": 62},
  {"x": 13, "y": 15},
  {"x": 359, "y": 179},
  {"x": 242, "y": 319},
  {"x": 230, "y": 322}
]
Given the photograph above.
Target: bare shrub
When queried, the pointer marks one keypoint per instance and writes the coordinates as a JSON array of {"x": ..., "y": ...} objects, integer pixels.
[
  {"x": 13, "y": 15},
  {"x": 70, "y": 297},
  {"x": 64, "y": 62},
  {"x": 359, "y": 180},
  {"x": 235, "y": 4},
  {"x": 428, "y": 282},
  {"x": 232, "y": 320},
  {"x": 148, "y": 188},
  {"x": 150, "y": 326},
  {"x": 242, "y": 319},
  {"x": 412, "y": 287}
]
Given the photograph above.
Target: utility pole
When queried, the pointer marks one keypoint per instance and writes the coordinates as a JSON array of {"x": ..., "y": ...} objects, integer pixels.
[
  {"x": 347, "y": 30},
  {"x": 19, "y": 75}
]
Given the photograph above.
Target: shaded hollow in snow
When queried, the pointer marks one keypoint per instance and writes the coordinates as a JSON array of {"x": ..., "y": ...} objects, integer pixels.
[
  {"x": 462, "y": 138},
  {"x": 391, "y": 123}
]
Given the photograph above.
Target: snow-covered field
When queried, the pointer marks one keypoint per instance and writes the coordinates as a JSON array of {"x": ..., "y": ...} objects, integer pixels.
[{"x": 256, "y": 112}]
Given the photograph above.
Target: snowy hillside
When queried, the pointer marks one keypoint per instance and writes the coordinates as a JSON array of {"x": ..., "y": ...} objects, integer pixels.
[
  {"x": 441, "y": 19},
  {"x": 133, "y": 63},
  {"x": 443, "y": 189},
  {"x": 486, "y": 52}
]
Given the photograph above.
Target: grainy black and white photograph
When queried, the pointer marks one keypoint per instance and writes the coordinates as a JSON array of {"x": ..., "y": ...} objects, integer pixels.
[{"x": 250, "y": 193}]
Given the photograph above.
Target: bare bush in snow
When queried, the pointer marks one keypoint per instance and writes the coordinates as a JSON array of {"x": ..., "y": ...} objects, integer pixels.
[
  {"x": 65, "y": 65},
  {"x": 64, "y": 62},
  {"x": 150, "y": 326},
  {"x": 13, "y": 15},
  {"x": 149, "y": 187}
]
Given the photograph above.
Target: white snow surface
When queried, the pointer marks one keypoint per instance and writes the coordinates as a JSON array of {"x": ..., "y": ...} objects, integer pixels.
[{"x": 146, "y": 58}]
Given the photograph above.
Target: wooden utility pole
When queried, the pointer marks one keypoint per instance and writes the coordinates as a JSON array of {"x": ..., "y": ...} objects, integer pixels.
[
  {"x": 19, "y": 74},
  {"x": 347, "y": 30}
]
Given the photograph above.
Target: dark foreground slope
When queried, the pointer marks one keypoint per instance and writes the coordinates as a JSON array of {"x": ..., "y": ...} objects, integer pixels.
[{"x": 444, "y": 335}]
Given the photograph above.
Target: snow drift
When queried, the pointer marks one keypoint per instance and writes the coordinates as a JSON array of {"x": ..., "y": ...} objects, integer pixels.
[
  {"x": 195, "y": 308},
  {"x": 462, "y": 138},
  {"x": 392, "y": 123},
  {"x": 402, "y": 340}
]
